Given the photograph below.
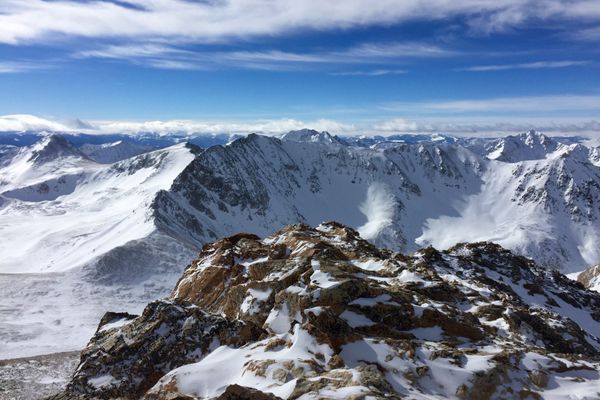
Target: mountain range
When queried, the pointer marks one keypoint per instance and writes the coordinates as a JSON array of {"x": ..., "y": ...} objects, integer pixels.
[{"x": 95, "y": 223}]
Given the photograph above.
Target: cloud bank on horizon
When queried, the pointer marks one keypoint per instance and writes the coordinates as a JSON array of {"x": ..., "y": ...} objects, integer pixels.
[
  {"x": 482, "y": 128},
  {"x": 352, "y": 62}
]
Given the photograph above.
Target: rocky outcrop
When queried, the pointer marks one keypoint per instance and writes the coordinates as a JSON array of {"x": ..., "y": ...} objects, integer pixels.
[
  {"x": 321, "y": 313},
  {"x": 128, "y": 355},
  {"x": 590, "y": 278}
]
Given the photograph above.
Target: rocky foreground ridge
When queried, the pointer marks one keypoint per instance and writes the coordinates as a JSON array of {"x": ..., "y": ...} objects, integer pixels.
[{"x": 311, "y": 313}]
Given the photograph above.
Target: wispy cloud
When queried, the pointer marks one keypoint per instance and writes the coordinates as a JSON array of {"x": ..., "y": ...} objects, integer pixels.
[
  {"x": 533, "y": 105},
  {"x": 375, "y": 72},
  {"x": 489, "y": 126},
  {"x": 12, "y": 67},
  {"x": 169, "y": 57},
  {"x": 586, "y": 34},
  {"x": 131, "y": 51},
  {"x": 530, "y": 65},
  {"x": 219, "y": 21}
]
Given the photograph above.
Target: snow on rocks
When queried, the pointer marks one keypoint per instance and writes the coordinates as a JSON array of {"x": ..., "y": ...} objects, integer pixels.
[
  {"x": 590, "y": 278},
  {"x": 306, "y": 321}
]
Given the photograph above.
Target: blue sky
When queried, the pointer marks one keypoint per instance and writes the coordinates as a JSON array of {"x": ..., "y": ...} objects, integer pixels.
[{"x": 353, "y": 65}]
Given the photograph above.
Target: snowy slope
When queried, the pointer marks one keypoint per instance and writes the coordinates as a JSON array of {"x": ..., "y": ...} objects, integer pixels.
[
  {"x": 526, "y": 146},
  {"x": 544, "y": 208},
  {"x": 403, "y": 196},
  {"x": 108, "y": 153},
  {"x": 72, "y": 210},
  {"x": 50, "y": 158},
  {"x": 78, "y": 237}
]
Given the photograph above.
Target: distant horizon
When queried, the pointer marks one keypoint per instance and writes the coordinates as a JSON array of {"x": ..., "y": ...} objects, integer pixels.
[{"x": 32, "y": 124}]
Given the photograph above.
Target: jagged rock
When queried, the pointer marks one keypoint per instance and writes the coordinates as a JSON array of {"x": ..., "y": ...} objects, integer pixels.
[
  {"x": 539, "y": 378},
  {"x": 590, "y": 278},
  {"x": 127, "y": 360},
  {"x": 237, "y": 392},
  {"x": 321, "y": 313}
]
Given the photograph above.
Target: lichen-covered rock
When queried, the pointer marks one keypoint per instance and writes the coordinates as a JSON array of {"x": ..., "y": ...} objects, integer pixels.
[
  {"x": 125, "y": 360},
  {"x": 320, "y": 313}
]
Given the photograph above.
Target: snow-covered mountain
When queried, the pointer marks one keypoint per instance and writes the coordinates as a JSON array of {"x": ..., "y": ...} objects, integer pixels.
[
  {"x": 71, "y": 209},
  {"x": 310, "y": 135},
  {"x": 108, "y": 153},
  {"x": 77, "y": 237},
  {"x": 541, "y": 199},
  {"x": 80, "y": 236}
]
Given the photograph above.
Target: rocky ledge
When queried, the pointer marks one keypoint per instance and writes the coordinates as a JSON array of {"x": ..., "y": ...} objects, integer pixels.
[
  {"x": 590, "y": 278},
  {"x": 320, "y": 313}
]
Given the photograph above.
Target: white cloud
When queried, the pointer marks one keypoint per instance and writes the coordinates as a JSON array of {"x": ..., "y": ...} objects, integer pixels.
[
  {"x": 533, "y": 105},
  {"x": 25, "y": 122},
  {"x": 132, "y": 51},
  {"x": 457, "y": 126},
  {"x": 269, "y": 127},
  {"x": 587, "y": 34},
  {"x": 217, "y": 21},
  {"x": 375, "y": 72},
  {"x": 397, "y": 125},
  {"x": 10, "y": 67},
  {"x": 491, "y": 126},
  {"x": 530, "y": 65},
  {"x": 168, "y": 57}
]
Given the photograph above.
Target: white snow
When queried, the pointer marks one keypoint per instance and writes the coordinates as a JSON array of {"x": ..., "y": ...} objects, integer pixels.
[
  {"x": 320, "y": 278},
  {"x": 253, "y": 299},
  {"x": 60, "y": 252},
  {"x": 370, "y": 265},
  {"x": 226, "y": 366},
  {"x": 400, "y": 196},
  {"x": 278, "y": 320},
  {"x": 355, "y": 320},
  {"x": 407, "y": 276},
  {"x": 115, "y": 324},
  {"x": 105, "y": 210},
  {"x": 102, "y": 381}
]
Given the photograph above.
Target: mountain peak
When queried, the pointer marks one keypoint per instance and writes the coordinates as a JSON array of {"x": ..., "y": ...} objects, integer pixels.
[
  {"x": 531, "y": 145},
  {"x": 52, "y": 147},
  {"x": 310, "y": 135},
  {"x": 532, "y": 138}
]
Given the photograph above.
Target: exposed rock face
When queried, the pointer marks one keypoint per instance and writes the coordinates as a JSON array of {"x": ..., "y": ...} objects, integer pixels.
[
  {"x": 590, "y": 278},
  {"x": 321, "y": 313},
  {"x": 55, "y": 146},
  {"x": 127, "y": 356}
]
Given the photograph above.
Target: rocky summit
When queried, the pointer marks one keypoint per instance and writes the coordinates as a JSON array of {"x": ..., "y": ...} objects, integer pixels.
[{"x": 319, "y": 313}]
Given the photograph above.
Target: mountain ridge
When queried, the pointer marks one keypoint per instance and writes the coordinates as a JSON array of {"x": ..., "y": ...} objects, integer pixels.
[{"x": 319, "y": 312}]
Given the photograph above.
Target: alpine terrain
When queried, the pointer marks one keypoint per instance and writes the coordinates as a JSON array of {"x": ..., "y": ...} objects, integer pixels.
[
  {"x": 315, "y": 313},
  {"x": 89, "y": 225}
]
